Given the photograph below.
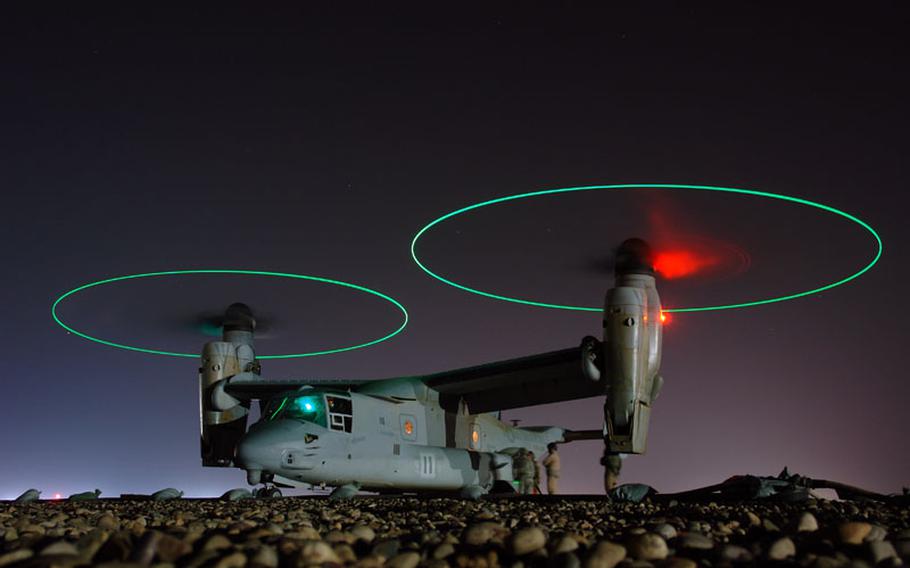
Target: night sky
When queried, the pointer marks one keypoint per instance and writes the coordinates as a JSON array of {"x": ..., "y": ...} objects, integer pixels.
[{"x": 319, "y": 142}]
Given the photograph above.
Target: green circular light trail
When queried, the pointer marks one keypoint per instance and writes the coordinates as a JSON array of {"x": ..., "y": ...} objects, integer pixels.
[
  {"x": 748, "y": 192},
  {"x": 389, "y": 299}
]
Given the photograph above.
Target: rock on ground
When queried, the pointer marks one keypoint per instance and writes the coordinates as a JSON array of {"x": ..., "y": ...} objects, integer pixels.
[{"x": 408, "y": 532}]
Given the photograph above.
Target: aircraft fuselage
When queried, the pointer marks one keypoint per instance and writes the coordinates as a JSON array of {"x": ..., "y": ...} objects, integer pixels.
[{"x": 319, "y": 437}]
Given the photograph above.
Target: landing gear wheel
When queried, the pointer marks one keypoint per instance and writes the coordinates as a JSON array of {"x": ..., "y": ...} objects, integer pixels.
[{"x": 268, "y": 492}]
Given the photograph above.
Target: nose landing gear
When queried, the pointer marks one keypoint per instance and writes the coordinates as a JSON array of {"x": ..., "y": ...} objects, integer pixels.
[{"x": 267, "y": 491}]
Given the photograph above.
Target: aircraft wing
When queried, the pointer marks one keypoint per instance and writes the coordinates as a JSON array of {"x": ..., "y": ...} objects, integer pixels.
[
  {"x": 539, "y": 379},
  {"x": 250, "y": 385}
]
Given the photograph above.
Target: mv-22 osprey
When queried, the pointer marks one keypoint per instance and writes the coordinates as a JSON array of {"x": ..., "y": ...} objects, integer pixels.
[{"x": 438, "y": 432}]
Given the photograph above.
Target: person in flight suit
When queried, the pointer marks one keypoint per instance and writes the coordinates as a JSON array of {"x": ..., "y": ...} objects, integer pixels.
[
  {"x": 524, "y": 470},
  {"x": 551, "y": 462}
]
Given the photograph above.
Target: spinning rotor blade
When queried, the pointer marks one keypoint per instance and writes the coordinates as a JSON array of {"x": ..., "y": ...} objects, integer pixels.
[
  {"x": 679, "y": 250},
  {"x": 632, "y": 255},
  {"x": 237, "y": 315},
  {"x": 209, "y": 324},
  {"x": 598, "y": 266},
  {"x": 682, "y": 262},
  {"x": 682, "y": 256}
]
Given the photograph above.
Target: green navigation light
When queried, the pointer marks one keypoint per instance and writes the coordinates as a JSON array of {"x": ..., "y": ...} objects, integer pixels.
[
  {"x": 746, "y": 192},
  {"x": 309, "y": 408},
  {"x": 404, "y": 312},
  {"x": 306, "y": 404}
]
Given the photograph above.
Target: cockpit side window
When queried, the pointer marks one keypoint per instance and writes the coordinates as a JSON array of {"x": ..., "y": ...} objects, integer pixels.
[
  {"x": 273, "y": 408},
  {"x": 341, "y": 413}
]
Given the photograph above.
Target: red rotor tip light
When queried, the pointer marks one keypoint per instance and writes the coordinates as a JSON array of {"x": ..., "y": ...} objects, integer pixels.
[{"x": 680, "y": 263}]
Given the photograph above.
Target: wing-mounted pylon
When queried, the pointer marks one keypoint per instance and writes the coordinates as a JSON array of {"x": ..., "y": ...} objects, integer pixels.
[
  {"x": 624, "y": 366},
  {"x": 223, "y": 419},
  {"x": 633, "y": 330}
]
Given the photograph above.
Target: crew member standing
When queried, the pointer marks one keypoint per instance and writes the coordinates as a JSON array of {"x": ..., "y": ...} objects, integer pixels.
[
  {"x": 525, "y": 468},
  {"x": 551, "y": 462},
  {"x": 536, "y": 488}
]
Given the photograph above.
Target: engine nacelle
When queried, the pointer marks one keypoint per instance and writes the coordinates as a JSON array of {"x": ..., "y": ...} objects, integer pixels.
[
  {"x": 223, "y": 419},
  {"x": 632, "y": 352}
]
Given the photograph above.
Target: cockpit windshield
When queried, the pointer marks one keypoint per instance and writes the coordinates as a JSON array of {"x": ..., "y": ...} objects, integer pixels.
[
  {"x": 329, "y": 410},
  {"x": 307, "y": 407}
]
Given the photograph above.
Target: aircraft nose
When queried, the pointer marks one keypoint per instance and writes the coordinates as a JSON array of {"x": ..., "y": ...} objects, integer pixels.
[
  {"x": 261, "y": 449},
  {"x": 250, "y": 455}
]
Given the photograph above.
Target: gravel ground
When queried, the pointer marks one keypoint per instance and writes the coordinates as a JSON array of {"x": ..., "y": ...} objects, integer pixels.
[{"x": 403, "y": 532}]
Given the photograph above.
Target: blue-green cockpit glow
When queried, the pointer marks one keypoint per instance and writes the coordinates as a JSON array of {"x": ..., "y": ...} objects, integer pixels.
[
  {"x": 399, "y": 329},
  {"x": 307, "y": 405},
  {"x": 668, "y": 186},
  {"x": 306, "y": 408}
]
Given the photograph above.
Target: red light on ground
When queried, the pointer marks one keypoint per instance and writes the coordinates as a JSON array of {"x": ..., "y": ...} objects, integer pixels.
[{"x": 680, "y": 263}]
